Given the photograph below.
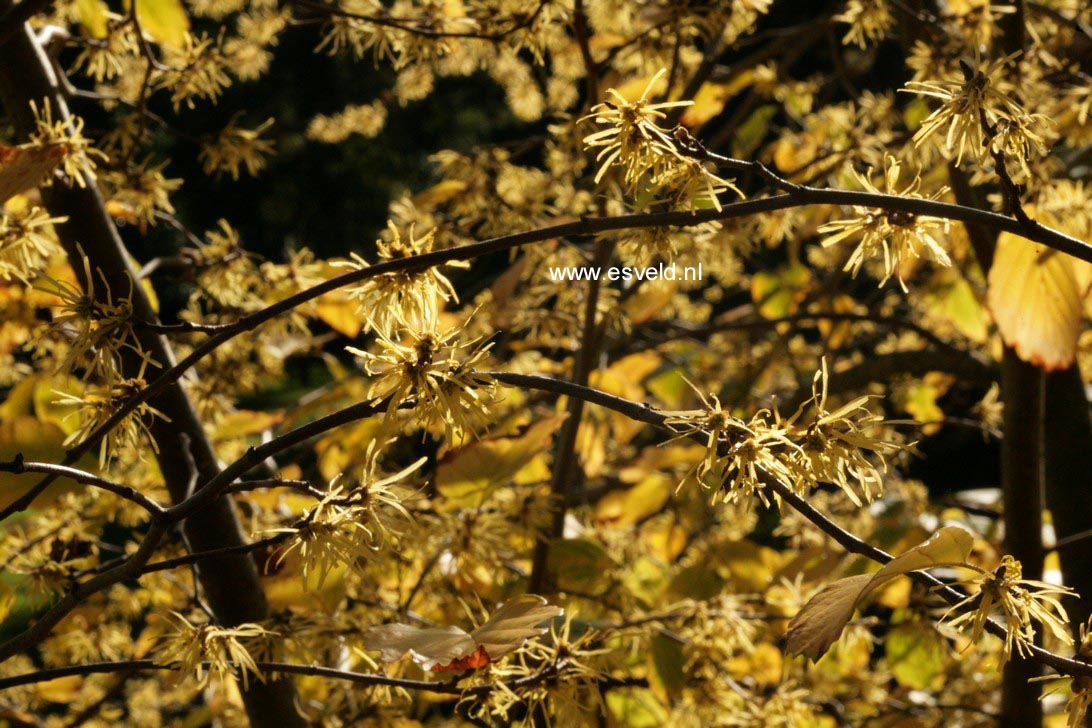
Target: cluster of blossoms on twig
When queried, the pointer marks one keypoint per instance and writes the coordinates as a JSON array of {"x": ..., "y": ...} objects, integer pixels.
[
  {"x": 355, "y": 518},
  {"x": 79, "y": 161},
  {"x": 211, "y": 652},
  {"x": 653, "y": 169},
  {"x": 979, "y": 113},
  {"x": 897, "y": 236},
  {"x": 414, "y": 358},
  {"x": 1021, "y": 602},
  {"x": 742, "y": 455}
]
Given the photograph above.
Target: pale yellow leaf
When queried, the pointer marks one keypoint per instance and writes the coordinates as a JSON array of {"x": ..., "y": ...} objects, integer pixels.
[
  {"x": 468, "y": 475},
  {"x": 427, "y": 646},
  {"x": 1036, "y": 301},
  {"x": 164, "y": 20},
  {"x": 514, "y": 622},
  {"x": 93, "y": 17},
  {"x": 821, "y": 621}
]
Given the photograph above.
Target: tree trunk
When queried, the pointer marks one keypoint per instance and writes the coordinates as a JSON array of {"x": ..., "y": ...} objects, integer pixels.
[
  {"x": 1022, "y": 486},
  {"x": 1068, "y": 445}
]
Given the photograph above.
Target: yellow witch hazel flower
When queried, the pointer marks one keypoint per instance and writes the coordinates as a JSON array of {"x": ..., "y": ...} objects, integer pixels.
[
  {"x": 832, "y": 446},
  {"x": 1021, "y": 603},
  {"x": 974, "y": 109},
  {"x": 1081, "y": 686},
  {"x": 190, "y": 646},
  {"x": 390, "y": 301},
  {"x": 358, "y": 515},
  {"x": 649, "y": 155},
  {"x": 97, "y": 403},
  {"x": 79, "y": 154},
  {"x": 435, "y": 372},
  {"x": 738, "y": 454},
  {"x": 26, "y": 243},
  {"x": 898, "y": 236},
  {"x": 95, "y": 331}
]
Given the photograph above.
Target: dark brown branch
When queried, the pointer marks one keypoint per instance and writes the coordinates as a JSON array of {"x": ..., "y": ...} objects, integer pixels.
[
  {"x": 545, "y": 674},
  {"x": 566, "y": 468},
  {"x": 18, "y": 466},
  {"x": 231, "y": 586}
]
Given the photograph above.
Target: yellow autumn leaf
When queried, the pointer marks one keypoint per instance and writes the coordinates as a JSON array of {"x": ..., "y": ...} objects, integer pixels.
[
  {"x": 953, "y": 299},
  {"x": 339, "y": 313},
  {"x": 627, "y": 507},
  {"x": 93, "y": 17},
  {"x": 439, "y": 193},
  {"x": 919, "y": 399},
  {"x": 164, "y": 20},
  {"x": 467, "y": 475},
  {"x": 711, "y": 97},
  {"x": 779, "y": 293},
  {"x": 243, "y": 423},
  {"x": 1037, "y": 301},
  {"x": 60, "y": 690},
  {"x": 35, "y": 441}
]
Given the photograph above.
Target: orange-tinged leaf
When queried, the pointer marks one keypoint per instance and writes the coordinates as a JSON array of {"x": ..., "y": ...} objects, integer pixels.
[
  {"x": 1036, "y": 301},
  {"x": 477, "y": 658},
  {"x": 24, "y": 167},
  {"x": 821, "y": 621}
]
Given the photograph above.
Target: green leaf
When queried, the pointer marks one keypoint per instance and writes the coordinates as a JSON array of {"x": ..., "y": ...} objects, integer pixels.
[
  {"x": 752, "y": 131},
  {"x": 164, "y": 20},
  {"x": 579, "y": 564},
  {"x": 636, "y": 708},
  {"x": 916, "y": 654},
  {"x": 695, "y": 582},
  {"x": 668, "y": 675}
]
